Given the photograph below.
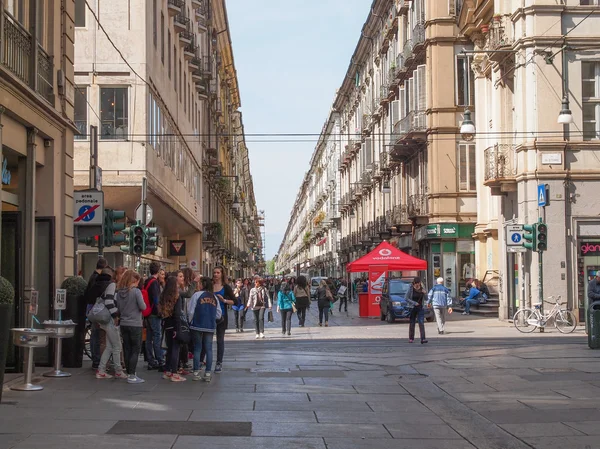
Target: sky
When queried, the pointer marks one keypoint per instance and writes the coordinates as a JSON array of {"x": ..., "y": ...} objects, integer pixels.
[{"x": 290, "y": 57}]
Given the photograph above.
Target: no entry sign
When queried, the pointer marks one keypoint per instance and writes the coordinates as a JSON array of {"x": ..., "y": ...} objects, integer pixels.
[{"x": 88, "y": 208}]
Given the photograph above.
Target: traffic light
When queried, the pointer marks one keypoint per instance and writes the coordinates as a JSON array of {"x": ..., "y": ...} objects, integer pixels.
[
  {"x": 139, "y": 237},
  {"x": 529, "y": 235},
  {"x": 542, "y": 236},
  {"x": 127, "y": 240},
  {"x": 151, "y": 240},
  {"x": 112, "y": 229}
]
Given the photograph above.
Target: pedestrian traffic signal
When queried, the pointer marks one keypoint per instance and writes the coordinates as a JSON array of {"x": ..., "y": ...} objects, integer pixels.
[
  {"x": 529, "y": 235},
  {"x": 542, "y": 236},
  {"x": 151, "y": 240},
  {"x": 127, "y": 247},
  {"x": 111, "y": 229},
  {"x": 139, "y": 237}
]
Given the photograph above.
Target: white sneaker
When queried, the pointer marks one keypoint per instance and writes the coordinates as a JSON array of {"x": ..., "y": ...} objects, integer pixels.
[
  {"x": 262, "y": 335},
  {"x": 207, "y": 377},
  {"x": 257, "y": 336},
  {"x": 196, "y": 375},
  {"x": 133, "y": 379}
]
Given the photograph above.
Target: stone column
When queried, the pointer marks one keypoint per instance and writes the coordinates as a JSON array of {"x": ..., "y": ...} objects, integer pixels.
[{"x": 29, "y": 221}]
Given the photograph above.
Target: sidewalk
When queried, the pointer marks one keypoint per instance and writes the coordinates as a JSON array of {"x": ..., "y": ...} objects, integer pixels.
[{"x": 356, "y": 384}]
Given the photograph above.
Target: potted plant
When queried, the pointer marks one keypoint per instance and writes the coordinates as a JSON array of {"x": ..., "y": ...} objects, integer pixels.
[
  {"x": 7, "y": 298},
  {"x": 72, "y": 356}
]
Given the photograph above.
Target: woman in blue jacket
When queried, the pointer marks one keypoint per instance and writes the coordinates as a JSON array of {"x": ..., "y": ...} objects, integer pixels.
[
  {"x": 203, "y": 312},
  {"x": 285, "y": 304}
]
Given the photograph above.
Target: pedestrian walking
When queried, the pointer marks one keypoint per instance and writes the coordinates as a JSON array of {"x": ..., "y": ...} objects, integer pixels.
[
  {"x": 258, "y": 302},
  {"x": 113, "y": 336},
  {"x": 224, "y": 293},
  {"x": 286, "y": 303},
  {"x": 439, "y": 298},
  {"x": 343, "y": 296},
  {"x": 170, "y": 310},
  {"x": 415, "y": 296},
  {"x": 302, "y": 294},
  {"x": 323, "y": 301},
  {"x": 239, "y": 306},
  {"x": 90, "y": 295},
  {"x": 203, "y": 312},
  {"x": 131, "y": 304},
  {"x": 153, "y": 323}
]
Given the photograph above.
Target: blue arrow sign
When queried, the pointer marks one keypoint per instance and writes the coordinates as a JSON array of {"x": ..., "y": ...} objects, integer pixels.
[
  {"x": 516, "y": 238},
  {"x": 542, "y": 200}
]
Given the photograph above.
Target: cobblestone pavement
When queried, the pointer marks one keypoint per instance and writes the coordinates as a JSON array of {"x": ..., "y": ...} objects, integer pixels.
[{"x": 356, "y": 384}]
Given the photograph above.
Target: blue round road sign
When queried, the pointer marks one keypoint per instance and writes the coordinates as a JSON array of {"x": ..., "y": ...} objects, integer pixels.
[
  {"x": 88, "y": 217},
  {"x": 516, "y": 238}
]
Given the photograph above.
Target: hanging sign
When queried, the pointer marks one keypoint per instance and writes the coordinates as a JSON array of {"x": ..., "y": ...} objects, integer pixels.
[{"x": 177, "y": 248}]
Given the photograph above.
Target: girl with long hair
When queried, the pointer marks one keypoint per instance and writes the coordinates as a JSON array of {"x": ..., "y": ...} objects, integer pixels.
[
  {"x": 224, "y": 293},
  {"x": 285, "y": 305},
  {"x": 187, "y": 291},
  {"x": 239, "y": 306},
  {"x": 170, "y": 310},
  {"x": 259, "y": 301},
  {"x": 302, "y": 294}
]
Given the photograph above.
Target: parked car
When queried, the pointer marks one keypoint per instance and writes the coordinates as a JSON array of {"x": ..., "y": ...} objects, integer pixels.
[
  {"x": 314, "y": 284},
  {"x": 392, "y": 304}
]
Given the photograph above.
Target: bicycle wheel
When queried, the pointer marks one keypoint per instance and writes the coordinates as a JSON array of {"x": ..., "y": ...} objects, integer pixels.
[
  {"x": 87, "y": 346},
  {"x": 565, "y": 321},
  {"x": 525, "y": 319}
]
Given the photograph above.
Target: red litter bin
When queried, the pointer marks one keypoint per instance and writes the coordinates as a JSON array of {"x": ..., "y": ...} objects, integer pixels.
[{"x": 363, "y": 304}]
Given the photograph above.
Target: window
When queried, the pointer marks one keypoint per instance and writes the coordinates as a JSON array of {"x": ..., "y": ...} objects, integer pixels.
[
  {"x": 162, "y": 38},
  {"x": 465, "y": 82},
  {"x": 590, "y": 73},
  {"x": 169, "y": 51},
  {"x": 589, "y": 2},
  {"x": 466, "y": 168},
  {"x": 114, "y": 113},
  {"x": 80, "y": 13},
  {"x": 154, "y": 23},
  {"x": 81, "y": 112},
  {"x": 16, "y": 9}
]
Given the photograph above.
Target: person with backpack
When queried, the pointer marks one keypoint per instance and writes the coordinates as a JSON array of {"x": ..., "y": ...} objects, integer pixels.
[
  {"x": 131, "y": 304},
  {"x": 170, "y": 310},
  {"x": 259, "y": 301},
  {"x": 439, "y": 298},
  {"x": 286, "y": 303},
  {"x": 153, "y": 322},
  {"x": 302, "y": 294},
  {"x": 104, "y": 282},
  {"x": 203, "y": 312}
]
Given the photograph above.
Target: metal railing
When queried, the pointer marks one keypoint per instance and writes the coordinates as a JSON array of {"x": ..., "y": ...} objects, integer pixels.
[
  {"x": 176, "y": 3},
  {"x": 500, "y": 162},
  {"x": 497, "y": 36},
  {"x": 182, "y": 20},
  {"x": 400, "y": 214},
  {"x": 417, "y": 205},
  {"x": 418, "y": 34},
  {"x": 45, "y": 75},
  {"x": 17, "y": 49}
]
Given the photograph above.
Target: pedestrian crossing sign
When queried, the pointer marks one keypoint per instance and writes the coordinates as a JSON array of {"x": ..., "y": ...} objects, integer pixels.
[{"x": 542, "y": 195}]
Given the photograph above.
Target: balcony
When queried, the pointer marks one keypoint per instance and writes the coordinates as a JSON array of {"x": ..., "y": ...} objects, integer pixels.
[
  {"x": 400, "y": 218},
  {"x": 212, "y": 235},
  {"x": 383, "y": 94},
  {"x": 500, "y": 168},
  {"x": 186, "y": 38},
  {"x": 417, "y": 206},
  {"x": 418, "y": 36},
  {"x": 181, "y": 22},
  {"x": 175, "y": 7},
  {"x": 366, "y": 124},
  {"x": 34, "y": 67},
  {"x": 402, "y": 6},
  {"x": 400, "y": 65},
  {"x": 189, "y": 51},
  {"x": 498, "y": 37},
  {"x": 198, "y": 3}
]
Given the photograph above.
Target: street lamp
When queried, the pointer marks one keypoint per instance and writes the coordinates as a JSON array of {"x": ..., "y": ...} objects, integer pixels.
[
  {"x": 467, "y": 128},
  {"x": 565, "y": 117}
]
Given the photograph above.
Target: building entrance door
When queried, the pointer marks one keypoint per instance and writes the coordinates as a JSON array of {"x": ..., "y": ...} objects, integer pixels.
[{"x": 10, "y": 268}]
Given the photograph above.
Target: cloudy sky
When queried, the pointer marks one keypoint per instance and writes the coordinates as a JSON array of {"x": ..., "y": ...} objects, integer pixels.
[{"x": 290, "y": 58}]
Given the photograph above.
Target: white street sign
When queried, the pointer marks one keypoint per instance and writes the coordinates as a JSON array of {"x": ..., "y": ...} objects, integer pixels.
[
  {"x": 514, "y": 235},
  {"x": 149, "y": 214},
  {"x": 60, "y": 299},
  {"x": 516, "y": 249},
  {"x": 88, "y": 208}
]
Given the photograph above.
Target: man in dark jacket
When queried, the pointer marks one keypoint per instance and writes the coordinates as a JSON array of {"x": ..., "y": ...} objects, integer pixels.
[
  {"x": 154, "y": 352},
  {"x": 594, "y": 289},
  {"x": 90, "y": 296}
]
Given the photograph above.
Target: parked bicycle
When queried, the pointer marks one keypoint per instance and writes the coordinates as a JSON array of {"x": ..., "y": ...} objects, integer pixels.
[{"x": 528, "y": 320}]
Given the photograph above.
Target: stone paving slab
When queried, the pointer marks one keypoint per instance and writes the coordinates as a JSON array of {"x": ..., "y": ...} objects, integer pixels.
[
  {"x": 405, "y": 443},
  {"x": 550, "y": 429},
  {"x": 320, "y": 430},
  {"x": 538, "y": 416},
  {"x": 424, "y": 430},
  {"x": 572, "y": 442},
  {"x": 56, "y": 426},
  {"x": 8, "y": 440},
  {"x": 191, "y": 442},
  {"x": 49, "y": 441},
  {"x": 587, "y": 427},
  {"x": 254, "y": 416},
  {"x": 412, "y": 418},
  {"x": 282, "y": 404},
  {"x": 321, "y": 389}
]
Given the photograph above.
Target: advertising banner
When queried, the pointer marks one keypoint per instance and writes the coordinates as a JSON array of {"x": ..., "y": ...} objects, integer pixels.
[{"x": 377, "y": 276}]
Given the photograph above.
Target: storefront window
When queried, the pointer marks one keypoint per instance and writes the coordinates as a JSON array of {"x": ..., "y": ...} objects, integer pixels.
[{"x": 114, "y": 113}]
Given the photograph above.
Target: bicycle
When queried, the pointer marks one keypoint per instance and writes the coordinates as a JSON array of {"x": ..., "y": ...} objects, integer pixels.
[{"x": 528, "y": 320}]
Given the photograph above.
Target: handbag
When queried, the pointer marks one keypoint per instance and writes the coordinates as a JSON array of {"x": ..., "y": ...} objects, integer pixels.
[
  {"x": 182, "y": 329},
  {"x": 294, "y": 308},
  {"x": 99, "y": 314}
]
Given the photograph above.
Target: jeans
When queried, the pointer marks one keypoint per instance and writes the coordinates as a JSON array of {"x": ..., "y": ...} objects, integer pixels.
[
  {"x": 286, "y": 320},
  {"x": 323, "y": 312},
  {"x": 202, "y": 345},
  {"x": 301, "y": 315},
  {"x": 173, "y": 346},
  {"x": 344, "y": 300},
  {"x": 113, "y": 347},
  {"x": 132, "y": 345},
  {"x": 95, "y": 344},
  {"x": 239, "y": 318},
  {"x": 259, "y": 320},
  {"x": 440, "y": 318},
  {"x": 221, "y": 327},
  {"x": 416, "y": 314},
  {"x": 469, "y": 303},
  {"x": 154, "y": 352}
]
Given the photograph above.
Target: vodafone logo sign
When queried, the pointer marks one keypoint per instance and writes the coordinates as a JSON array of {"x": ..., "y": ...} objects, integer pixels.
[{"x": 385, "y": 252}]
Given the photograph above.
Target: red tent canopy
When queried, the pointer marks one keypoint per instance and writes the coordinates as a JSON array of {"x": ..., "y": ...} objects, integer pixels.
[{"x": 386, "y": 254}]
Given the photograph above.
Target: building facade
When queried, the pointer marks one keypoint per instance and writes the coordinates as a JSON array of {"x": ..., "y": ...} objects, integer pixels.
[
  {"x": 36, "y": 141},
  {"x": 530, "y": 59},
  {"x": 166, "y": 106},
  {"x": 399, "y": 172}
]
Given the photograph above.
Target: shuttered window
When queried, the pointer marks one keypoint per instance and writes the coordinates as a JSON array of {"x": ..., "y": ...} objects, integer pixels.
[{"x": 466, "y": 168}]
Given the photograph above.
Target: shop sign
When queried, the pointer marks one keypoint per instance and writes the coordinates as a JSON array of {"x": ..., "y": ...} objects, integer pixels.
[
  {"x": 589, "y": 249},
  {"x": 449, "y": 231},
  {"x": 6, "y": 176}
]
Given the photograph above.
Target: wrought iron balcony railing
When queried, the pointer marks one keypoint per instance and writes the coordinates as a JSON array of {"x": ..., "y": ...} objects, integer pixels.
[
  {"x": 417, "y": 205},
  {"x": 500, "y": 163}
]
